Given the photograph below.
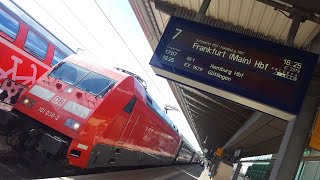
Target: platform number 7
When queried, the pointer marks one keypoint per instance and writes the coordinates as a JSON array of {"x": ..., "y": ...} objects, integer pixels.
[{"x": 178, "y": 31}]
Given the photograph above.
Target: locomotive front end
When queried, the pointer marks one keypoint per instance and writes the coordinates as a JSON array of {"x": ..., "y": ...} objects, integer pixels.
[{"x": 56, "y": 109}]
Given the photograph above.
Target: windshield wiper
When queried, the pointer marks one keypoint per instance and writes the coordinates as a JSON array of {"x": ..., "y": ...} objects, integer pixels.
[
  {"x": 75, "y": 84},
  {"x": 56, "y": 67},
  {"x": 106, "y": 88}
]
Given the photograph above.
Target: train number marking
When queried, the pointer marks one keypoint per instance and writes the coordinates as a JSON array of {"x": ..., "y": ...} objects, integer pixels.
[
  {"x": 58, "y": 100},
  {"x": 48, "y": 113}
]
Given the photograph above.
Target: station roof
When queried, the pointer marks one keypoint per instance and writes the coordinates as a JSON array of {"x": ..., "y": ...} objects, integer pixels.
[{"x": 224, "y": 123}]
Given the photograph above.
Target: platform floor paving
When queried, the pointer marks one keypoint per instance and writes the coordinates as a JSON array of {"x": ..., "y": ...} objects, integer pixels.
[{"x": 182, "y": 172}]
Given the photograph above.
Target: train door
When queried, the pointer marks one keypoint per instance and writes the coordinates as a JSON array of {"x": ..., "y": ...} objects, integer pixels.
[
  {"x": 110, "y": 149},
  {"x": 150, "y": 142},
  {"x": 122, "y": 149}
]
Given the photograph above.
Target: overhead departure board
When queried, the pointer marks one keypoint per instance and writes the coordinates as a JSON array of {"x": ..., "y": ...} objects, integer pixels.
[{"x": 259, "y": 74}]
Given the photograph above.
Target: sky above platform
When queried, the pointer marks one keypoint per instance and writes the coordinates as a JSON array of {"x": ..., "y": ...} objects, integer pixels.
[{"x": 109, "y": 36}]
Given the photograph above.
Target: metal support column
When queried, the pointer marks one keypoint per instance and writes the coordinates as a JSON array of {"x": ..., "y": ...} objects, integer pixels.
[
  {"x": 297, "y": 133},
  {"x": 203, "y": 9},
  {"x": 297, "y": 18},
  {"x": 236, "y": 172},
  {"x": 294, "y": 142},
  {"x": 214, "y": 166}
]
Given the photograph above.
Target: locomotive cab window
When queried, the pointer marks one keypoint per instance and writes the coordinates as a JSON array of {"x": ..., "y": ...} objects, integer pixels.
[
  {"x": 9, "y": 27},
  {"x": 82, "y": 78},
  {"x": 69, "y": 73},
  {"x": 36, "y": 46},
  {"x": 57, "y": 57},
  {"x": 95, "y": 84}
]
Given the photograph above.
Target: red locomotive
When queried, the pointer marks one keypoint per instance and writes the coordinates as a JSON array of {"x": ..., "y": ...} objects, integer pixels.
[
  {"x": 89, "y": 117},
  {"x": 27, "y": 50}
]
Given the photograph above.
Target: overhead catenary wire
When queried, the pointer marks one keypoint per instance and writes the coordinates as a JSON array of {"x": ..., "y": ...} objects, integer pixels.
[
  {"x": 74, "y": 15},
  {"x": 97, "y": 41},
  {"x": 62, "y": 26},
  {"x": 134, "y": 56}
]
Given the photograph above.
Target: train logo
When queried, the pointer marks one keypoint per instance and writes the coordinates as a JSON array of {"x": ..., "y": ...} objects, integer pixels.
[
  {"x": 58, "y": 101},
  {"x": 25, "y": 80}
]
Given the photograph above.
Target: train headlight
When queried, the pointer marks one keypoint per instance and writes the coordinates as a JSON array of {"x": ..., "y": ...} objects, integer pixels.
[
  {"x": 72, "y": 124},
  {"x": 27, "y": 101},
  {"x": 68, "y": 90}
]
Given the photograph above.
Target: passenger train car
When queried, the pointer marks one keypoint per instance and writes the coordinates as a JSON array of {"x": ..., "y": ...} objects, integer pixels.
[
  {"x": 90, "y": 117},
  {"x": 187, "y": 153},
  {"x": 27, "y": 50}
]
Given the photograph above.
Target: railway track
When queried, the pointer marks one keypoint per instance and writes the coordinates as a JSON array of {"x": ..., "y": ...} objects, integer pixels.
[
  {"x": 10, "y": 165},
  {"x": 15, "y": 166},
  {"x": 12, "y": 168}
]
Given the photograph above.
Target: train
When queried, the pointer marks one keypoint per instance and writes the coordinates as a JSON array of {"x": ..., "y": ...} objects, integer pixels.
[
  {"x": 27, "y": 50},
  {"x": 88, "y": 116}
]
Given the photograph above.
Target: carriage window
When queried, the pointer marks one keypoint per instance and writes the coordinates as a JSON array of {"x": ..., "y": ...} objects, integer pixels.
[
  {"x": 36, "y": 46},
  {"x": 57, "y": 57},
  {"x": 8, "y": 25},
  {"x": 149, "y": 100}
]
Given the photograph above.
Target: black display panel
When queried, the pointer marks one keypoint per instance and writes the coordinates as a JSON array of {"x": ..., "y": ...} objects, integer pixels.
[{"x": 274, "y": 75}]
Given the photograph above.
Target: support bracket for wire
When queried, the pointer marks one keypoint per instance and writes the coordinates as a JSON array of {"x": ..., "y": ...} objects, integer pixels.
[{"x": 141, "y": 81}]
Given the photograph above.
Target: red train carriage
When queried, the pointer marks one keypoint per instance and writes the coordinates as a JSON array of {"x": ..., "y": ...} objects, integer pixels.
[
  {"x": 196, "y": 158},
  {"x": 94, "y": 117},
  {"x": 186, "y": 153},
  {"x": 27, "y": 50}
]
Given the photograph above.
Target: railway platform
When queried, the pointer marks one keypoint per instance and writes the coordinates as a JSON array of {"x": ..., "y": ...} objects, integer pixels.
[{"x": 182, "y": 172}]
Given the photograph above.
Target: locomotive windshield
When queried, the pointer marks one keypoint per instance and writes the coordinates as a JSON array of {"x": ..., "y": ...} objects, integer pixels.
[
  {"x": 95, "y": 84},
  {"x": 82, "y": 78},
  {"x": 69, "y": 73}
]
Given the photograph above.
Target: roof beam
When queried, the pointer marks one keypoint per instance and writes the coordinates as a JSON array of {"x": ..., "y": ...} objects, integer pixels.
[
  {"x": 297, "y": 18},
  {"x": 203, "y": 9},
  {"x": 165, "y": 7},
  {"x": 206, "y": 124},
  {"x": 291, "y": 10},
  {"x": 216, "y": 100},
  {"x": 214, "y": 116},
  {"x": 170, "y": 9},
  {"x": 244, "y": 128},
  {"x": 205, "y": 105}
]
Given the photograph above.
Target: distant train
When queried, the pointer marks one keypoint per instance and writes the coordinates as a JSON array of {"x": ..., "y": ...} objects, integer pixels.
[
  {"x": 90, "y": 116},
  {"x": 27, "y": 50}
]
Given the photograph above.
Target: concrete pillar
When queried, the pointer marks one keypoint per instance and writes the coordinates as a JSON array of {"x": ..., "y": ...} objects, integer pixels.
[
  {"x": 297, "y": 18},
  {"x": 297, "y": 133},
  {"x": 294, "y": 142},
  {"x": 214, "y": 166},
  {"x": 237, "y": 171}
]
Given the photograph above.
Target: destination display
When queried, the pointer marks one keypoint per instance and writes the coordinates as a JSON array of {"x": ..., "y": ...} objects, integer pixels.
[{"x": 259, "y": 74}]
